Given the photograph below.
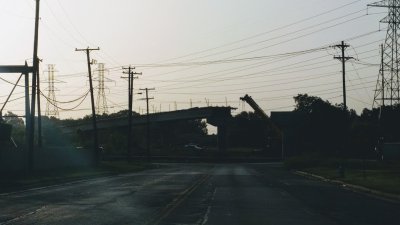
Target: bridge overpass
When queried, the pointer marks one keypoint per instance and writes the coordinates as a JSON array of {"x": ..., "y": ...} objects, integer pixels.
[{"x": 216, "y": 116}]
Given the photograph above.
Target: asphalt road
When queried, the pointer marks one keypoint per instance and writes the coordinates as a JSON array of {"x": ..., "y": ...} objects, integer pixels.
[{"x": 183, "y": 194}]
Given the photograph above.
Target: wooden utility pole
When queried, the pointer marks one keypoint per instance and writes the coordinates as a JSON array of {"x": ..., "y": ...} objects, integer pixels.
[
  {"x": 343, "y": 59},
  {"x": 34, "y": 84},
  {"x": 148, "y": 120},
  {"x": 131, "y": 77},
  {"x": 96, "y": 153},
  {"x": 383, "y": 74},
  {"x": 28, "y": 123},
  {"x": 39, "y": 107}
]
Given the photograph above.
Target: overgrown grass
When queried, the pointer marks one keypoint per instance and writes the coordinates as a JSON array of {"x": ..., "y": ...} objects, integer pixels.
[
  {"x": 386, "y": 180},
  {"x": 377, "y": 175}
]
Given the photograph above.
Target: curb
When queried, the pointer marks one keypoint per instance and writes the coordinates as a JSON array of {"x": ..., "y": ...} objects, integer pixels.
[{"x": 355, "y": 188}]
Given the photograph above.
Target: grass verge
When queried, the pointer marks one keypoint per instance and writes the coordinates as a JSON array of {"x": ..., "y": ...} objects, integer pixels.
[
  {"x": 377, "y": 179},
  {"x": 380, "y": 176}
]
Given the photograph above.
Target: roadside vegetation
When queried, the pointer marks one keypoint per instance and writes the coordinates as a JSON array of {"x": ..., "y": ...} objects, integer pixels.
[
  {"x": 374, "y": 174},
  {"x": 334, "y": 142}
]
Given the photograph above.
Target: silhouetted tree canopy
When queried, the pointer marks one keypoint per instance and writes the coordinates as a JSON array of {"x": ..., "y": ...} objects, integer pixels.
[{"x": 330, "y": 129}]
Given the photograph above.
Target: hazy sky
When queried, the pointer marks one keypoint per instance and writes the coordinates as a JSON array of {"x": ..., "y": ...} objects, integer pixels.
[{"x": 230, "y": 47}]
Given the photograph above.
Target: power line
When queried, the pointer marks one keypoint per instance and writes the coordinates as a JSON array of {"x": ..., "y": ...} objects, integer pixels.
[
  {"x": 252, "y": 66},
  {"x": 266, "y": 32},
  {"x": 234, "y": 60},
  {"x": 65, "y": 109}
]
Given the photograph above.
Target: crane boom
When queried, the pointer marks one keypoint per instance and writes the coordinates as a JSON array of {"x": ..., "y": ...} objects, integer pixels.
[{"x": 255, "y": 106}]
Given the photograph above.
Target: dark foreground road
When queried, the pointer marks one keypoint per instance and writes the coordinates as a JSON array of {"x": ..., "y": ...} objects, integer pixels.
[{"x": 183, "y": 194}]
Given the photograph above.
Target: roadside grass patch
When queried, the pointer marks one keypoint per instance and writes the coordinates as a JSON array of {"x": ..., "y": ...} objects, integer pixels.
[
  {"x": 385, "y": 180},
  {"x": 382, "y": 176}
]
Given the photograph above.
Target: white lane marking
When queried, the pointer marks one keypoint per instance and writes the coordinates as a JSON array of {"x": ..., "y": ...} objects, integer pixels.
[{"x": 204, "y": 220}]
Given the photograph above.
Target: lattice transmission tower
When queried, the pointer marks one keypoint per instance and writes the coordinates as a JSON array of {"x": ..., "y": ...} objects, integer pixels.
[
  {"x": 101, "y": 103},
  {"x": 51, "y": 106},
  {"x": 387, "y": 90}
]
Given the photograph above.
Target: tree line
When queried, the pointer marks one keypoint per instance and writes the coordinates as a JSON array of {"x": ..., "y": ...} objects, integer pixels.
[{"x": 325, "y": 129}]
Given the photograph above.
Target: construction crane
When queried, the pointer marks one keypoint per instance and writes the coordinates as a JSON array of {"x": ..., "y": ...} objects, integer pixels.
[
  {"x": 255, "y": 106},
  {"x": 273, "y": 132}
]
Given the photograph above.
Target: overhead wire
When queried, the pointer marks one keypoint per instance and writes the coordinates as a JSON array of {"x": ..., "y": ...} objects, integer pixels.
[
  {"x": 64, "y": 109},
  {"x": 272, "y": 45},
  {"x": 204, "y": 62},
  {"x": 233, "y": 60},
  {"x": 201, "y": 77},
  {"x": 266, "y": 32},
  {"x": 261, "y": 73},
  {"x": 70, "y": 101}
]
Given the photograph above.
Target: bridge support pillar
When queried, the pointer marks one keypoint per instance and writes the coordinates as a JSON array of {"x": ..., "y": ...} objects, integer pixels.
[{"x": 221, "y": 129}]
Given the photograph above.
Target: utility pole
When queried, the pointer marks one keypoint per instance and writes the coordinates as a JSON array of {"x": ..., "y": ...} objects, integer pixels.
[
  {"x": 131, "y": 77},
  {"x": 39, "y": 107},
  {"x": 34, "y": 83},
  {"x": 28, "y": 122},
  {"x": 95, "y": 135},
  {"x": 148, "y": 120},
  {"x": 207, "y": 102},
  {"x": 383, "y": 75},
  {"x": 343, "y": 59}
]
